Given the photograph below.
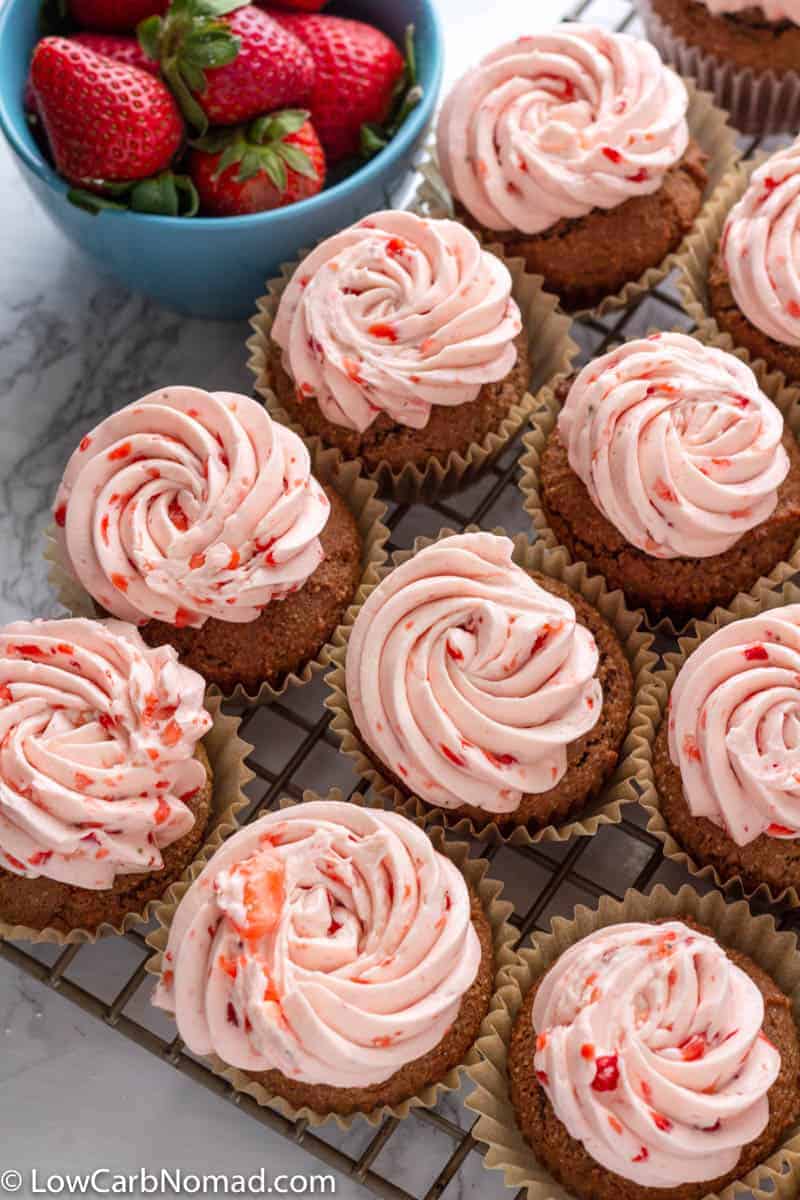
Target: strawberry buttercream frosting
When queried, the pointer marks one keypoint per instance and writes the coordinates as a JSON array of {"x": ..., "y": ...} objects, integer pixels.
[
  {"x": 97, "y": 736},
  {"x": 187, "y": 505},
  {"x": 326, "y": 941},
  {"x": 773, "y": 10},
  {"x": 557, "y": 124},
  {"x": 397, "y": 315},
  {"x": 676, "y": 444},
  {"x": 761, "y": 247},
  {"x": 467, "y": 679},
  {"x": 651, "y": 1050},
  {"x": 734, "y": 727}
]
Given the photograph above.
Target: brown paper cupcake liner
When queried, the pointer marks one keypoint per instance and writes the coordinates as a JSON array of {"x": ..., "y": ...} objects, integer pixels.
[
  {"x": 605, "y": 809},
  {"x": 503, "y": 935},
  {"x": 359, "y": 495},
  {"x": 226, "y": 753},
  {"x": 551, "y": 351},
  {"x": 710, "y": 129},
  {"x": 759, "y": 102},
  {"x": 543, "y": 422},
  {"x": 652, "y": 711},
  {"x": 778, "y": 1178}
]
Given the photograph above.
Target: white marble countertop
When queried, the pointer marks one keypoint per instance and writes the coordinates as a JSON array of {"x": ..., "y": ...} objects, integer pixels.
[{"x": 74, "y": 1095}]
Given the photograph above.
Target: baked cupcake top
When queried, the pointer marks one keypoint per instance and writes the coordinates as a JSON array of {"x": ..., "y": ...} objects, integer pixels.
[
  {"x": 394, "y": 316},
  {"x": 651, "y": 1050},
  {"x": 187, "y": 505},
  {"x": 773, "y": 10},
  {"x": 327, "y": 941},
  {"x": 97, "y": 736},
  {"x": 734, "y": 727},
  {"x": 676, "y": 444},
  {"x": 557, "y": 124},
  {"x": 467, "y": 679},
  {"x": 759, "y": 247}
]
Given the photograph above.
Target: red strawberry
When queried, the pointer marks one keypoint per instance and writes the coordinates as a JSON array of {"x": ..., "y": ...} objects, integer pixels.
[
  {"x": 114, "y": 16},
  {"x": 105, "y": 121},
  {"x": 275, "y": 161},
  {"x": 358, "y": 72},
  {"x": 122, "y": 49},
  {"x": 229, "y": 67}
]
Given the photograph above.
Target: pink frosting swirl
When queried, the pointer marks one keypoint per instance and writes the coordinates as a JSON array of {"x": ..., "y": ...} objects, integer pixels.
[
  {"x": 676, "y": 444},
  {"x": 97, "y": 734},
  {"x": 188, "y": 505},
  {"x": 467, "y": 679},
  {"x": 396, "y": 315},
  {"x": 759, "y": 248},
  {"x": 734, "y": 728},
  {"x": 651, "y": 1051},
  {"x": 327, "y": 941},
  {"x": 557, "y": 124},
  {"x": 773, "y": 10}
]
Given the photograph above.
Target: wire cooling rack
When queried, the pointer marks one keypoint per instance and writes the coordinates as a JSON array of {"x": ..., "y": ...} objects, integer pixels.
[{"x": 295, "y": 749}]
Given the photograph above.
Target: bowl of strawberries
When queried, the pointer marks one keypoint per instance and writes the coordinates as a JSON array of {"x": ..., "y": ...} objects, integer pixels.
[{"x": 190, "y": 147}]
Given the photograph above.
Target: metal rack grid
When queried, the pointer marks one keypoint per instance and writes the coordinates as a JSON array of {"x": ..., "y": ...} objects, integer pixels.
[{"x": 295, "y": 749}]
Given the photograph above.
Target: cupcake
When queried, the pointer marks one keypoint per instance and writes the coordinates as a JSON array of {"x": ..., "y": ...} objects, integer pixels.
[
  {"x": 649, "y": 1063},
  {"x": 329, "y": 955},
  {"x": 726, "y": 762},
  {"x": 399, "y": 342},
  {"x": 572, "y": 150},
  {"x": 670, "y": 473},
  {"x": 746, "y": 54},
  {"x": 753, "y": 282},
  {"x": 195, "y": 516},
  {"x": 486, "y": 691},
  {"x": 105, "y": 786}
]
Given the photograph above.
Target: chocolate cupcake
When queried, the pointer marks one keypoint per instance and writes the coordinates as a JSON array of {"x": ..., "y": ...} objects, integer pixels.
[
  {"x": 746, "y": 54},
  {"x": 725, "y": 762},
  {"x": 329, "y": 957},
  {"x": 197, "y": 517},
  {"x": 651, "y": 1063},
  {"x": 488, "y": 693},
  {"x": 753, "y": 282},
  {"x": 105, "y": 786},
  {"x": 671, "y": 474},
  {"x": 398, "y": 342},
  {"x": 572, "y": 150}
]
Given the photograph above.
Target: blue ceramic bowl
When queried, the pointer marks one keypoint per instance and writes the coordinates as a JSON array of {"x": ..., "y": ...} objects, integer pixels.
[{"x": 217, "y": 267}]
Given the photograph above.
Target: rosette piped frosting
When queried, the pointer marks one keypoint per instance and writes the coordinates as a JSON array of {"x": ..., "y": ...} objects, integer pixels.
[
  {"x": 469, "y": 680},
  {"x": 395, "y": 316},
  {"x": 97, "y": 737},
  {"x": 676, "y": 444},
  {"x": 651, "y": 1051},
  {"x": 187, "y": 505},
  {"x": 327, "y": 941},
  {"x": 734, "y": 727},
  {"x": 759, "y": 247},
  {"x": 557, "y": 124}
]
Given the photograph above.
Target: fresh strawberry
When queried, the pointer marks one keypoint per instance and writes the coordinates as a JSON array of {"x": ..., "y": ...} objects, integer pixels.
[
  {"x": 227, "y": 61},
  {"x": 114, "y": 16},
  {"x": 122, "y": 49},
  {"x": 275, "y": 161},
  {"x": 359, "y": 76},
  {"x": 105, "y": 121}
]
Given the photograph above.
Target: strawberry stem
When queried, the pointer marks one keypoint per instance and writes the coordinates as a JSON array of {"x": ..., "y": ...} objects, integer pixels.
[{"x": 407, "y": 95}]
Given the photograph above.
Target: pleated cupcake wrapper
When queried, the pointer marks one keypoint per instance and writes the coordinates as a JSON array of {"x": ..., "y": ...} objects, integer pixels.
[
  {"x": 759, "y": 102},
  {"x": 543, "y": 422},
  {"x": 551, "y": 351},
  {"x": 653, "y": 710},
  {"x": 226, "y": 754},
  {"x": 605, "y": 809},
  {"x": 503, "y": 936},
  {"x": 359, "y": 495},
  {"x": 778, "y": 1178},
  {"x": 710, "y": 129}
]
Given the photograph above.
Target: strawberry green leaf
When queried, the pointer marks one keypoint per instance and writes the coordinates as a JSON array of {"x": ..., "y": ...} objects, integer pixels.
[
  {"x": 207, "y": 50},
  {"x": 297, "y": 160},
  {"x": 92, "y": 203},
  {"x": 162, "y": 195},
  {"x": 232, "y": 154},
  {"x": 275, "y": 169},
  {"x": 277, "y": 125},
  {"x": 408, "y": 94},
  {"x": 149, "y": 34},
  {"x": 373, "y": 140},
  {"x": 218, "y": 8}
]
